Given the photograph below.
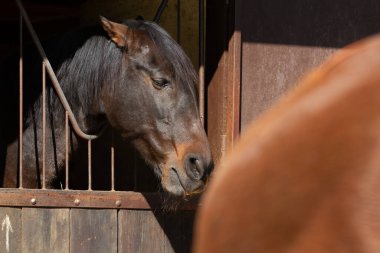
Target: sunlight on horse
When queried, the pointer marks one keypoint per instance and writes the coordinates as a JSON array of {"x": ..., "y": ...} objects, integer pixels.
[{"x": 305, "y": 177}]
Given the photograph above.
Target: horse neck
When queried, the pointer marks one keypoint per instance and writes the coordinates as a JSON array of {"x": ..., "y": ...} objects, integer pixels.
[{"x": 55, "y": 147}]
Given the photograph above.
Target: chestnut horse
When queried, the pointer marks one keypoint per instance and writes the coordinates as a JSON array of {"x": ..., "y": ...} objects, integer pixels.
[
  {"x": 131, "y": 76},
  {"x": 305, "y": 177}
]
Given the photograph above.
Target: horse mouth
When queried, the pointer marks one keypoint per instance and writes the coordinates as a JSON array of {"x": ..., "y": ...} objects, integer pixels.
[
  {"x": 169, "y": 189},
  {"x": 185, "y": 192},
  {"x": 179, "y": 180}
]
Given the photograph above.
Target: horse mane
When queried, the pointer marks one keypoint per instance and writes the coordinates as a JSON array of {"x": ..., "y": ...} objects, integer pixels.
[
  {"x": 87, "y": 57},
  {"x": 84, "y": 60}
]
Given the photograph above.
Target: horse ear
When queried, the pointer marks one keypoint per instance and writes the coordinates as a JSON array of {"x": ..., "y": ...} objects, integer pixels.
[{"x": 117, "y": 32}]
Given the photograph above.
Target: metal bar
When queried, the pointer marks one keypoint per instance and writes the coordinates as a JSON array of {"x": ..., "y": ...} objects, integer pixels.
[
  {"x": 160, "y": 10},
  {"x": 20, "y": 106},
  {"x": 112, "y": 161},
  {"x": 90, "y": 199},
  {"x": 53, "y": 77},
  {"x": 67, "y": 151},
  {"x": 201, "y": 63},
  {"x": 179, "y": 21},
  {"x": 89, "y": 166},
  {"x": 135, "y": 172},
  {"x": 43, "y": 126}
]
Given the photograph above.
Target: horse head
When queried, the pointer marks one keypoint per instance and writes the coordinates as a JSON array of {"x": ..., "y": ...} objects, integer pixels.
[{"x": 153, "y": 103}]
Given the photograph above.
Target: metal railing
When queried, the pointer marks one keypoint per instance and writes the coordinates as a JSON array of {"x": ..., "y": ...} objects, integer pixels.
[{"x": 46, "y": 66}]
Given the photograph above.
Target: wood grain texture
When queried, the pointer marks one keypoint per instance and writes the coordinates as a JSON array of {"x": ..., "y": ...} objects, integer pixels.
[
  {"x": 282, "y": 40},
  {"x": 223, "y": 68},
  {"x": 14, "y": 234},
  {"x": 269, "y": 71},
  {"x": 139, "y": 231},
  {"x": 45, "y": 230},
  {"x": 178, "y": 228},
  {"x": 93, "y": 231},
  {"x": 147, "y": 231}
]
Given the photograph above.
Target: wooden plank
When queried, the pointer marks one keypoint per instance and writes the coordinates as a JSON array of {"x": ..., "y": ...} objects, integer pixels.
[
  {"x": 140, "y": 232},
  {"x": 148, "y": 231},
  {"x": 135, "y": 232},
  {"x": 282, "y": 40},
  {"x": 178, "y": 227},
  {"x": 45, "y": 230},
  {"x": 93, "y": 231},
  {"x": 271, "y": 70},
  {"x": 11, "y": 225},
  {"x": 87, "y": 199},
  {"x": 223, "y": 67}
]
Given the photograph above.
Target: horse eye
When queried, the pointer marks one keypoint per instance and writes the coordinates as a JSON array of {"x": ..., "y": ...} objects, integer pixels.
[{"x": 160, "y": 82}]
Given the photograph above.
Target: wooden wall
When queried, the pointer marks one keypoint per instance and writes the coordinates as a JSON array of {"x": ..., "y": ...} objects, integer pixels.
[
  {"x": 283, "y": 40},
  {"x": 257, "y": 50},
  {"x": 64, "y": 230},
  {"x": 223, "y": 70}
]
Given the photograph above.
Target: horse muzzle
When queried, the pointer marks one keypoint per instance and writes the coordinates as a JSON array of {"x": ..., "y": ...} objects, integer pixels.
[{"x": 188, "y": 179}]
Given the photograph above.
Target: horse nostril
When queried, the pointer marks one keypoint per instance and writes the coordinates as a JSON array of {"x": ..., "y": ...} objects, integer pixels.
[
  {"x": 194, "y": 167},
  {"x": 197, "y": 167}
]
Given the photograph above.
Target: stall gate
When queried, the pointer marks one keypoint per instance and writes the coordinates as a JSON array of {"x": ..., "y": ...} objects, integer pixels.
[
  {"x": 94, "y": 230},
  {"x": 46, "y": 220}
]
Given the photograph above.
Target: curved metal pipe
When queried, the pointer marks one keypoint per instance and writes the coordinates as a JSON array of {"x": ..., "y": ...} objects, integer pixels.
[{"x": 53, "y": 77}]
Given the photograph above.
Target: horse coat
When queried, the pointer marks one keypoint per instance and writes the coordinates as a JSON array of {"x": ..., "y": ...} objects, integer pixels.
[{"x": 305, "y": 177}]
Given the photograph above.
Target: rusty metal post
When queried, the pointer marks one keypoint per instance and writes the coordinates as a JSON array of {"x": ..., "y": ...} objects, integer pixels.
[
  {"x": 20, "y": 105},
  {"x": 53, "y": 77},
  {"x": 89, "y": 167},
  {"x": 179, "y": 21},
  {"x": 112, "y": 161},
  {"x": 134, "y": 172},
  {"x": 201, "y": 62},
  {"x": 43, "y": 126},
  {"x": 67, "y": 151}
]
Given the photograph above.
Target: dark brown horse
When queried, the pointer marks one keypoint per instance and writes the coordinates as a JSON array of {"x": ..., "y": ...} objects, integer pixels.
[
  {"x": 305, "y": 176},
  {"x": 132, "y": 76}
]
